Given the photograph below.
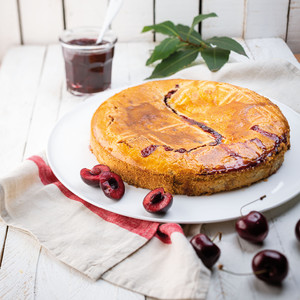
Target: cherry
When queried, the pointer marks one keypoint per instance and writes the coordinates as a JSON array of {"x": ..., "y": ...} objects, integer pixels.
[
  {"x": 91, "y": 177},
  {"x": 112, "y": 185},
  {"x": 207, "y": 251},
  {"x": 252, "y": 227},
  {"x": 270, "y": 266},
  {"x": 297, "y": 230},
  {"x": 158, "y": 201}
]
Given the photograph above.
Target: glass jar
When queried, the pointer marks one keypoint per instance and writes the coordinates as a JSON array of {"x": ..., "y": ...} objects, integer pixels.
[{"x": 88, "y": 66}]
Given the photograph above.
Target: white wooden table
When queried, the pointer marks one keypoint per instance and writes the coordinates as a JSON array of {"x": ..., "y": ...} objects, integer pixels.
[{"x": 33, "y": 97}]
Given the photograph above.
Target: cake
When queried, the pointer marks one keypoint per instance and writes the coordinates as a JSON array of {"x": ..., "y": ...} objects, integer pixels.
[{"x": 190, "y": 137}]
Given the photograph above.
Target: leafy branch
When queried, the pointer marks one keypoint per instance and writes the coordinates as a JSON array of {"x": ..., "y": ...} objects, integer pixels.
[{"x": 183, "y": 45}]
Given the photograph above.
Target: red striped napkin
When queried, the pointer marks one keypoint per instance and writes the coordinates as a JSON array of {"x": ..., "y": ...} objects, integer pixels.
[{"x": 145, "y": 257}]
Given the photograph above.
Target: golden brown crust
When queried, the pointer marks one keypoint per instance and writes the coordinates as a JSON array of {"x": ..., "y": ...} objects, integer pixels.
[{"x": 191, "y": 137}]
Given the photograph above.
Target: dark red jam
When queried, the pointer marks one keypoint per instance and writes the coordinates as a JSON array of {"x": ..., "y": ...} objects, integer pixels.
[
  {"x": 148, "y": 150},
  {"x": 181, "y": 150},
  {"x": 88, "y": 71},
  {"x": 217, "y": 136}
]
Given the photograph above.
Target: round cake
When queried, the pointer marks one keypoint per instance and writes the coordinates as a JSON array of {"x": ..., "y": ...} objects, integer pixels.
[{"x": 190, "y": 137}]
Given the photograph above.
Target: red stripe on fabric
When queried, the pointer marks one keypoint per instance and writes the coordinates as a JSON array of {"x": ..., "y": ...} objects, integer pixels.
[
  {"x": 45, "y": 173},
  {"x": 165, "y": 231},
  {"x": 143, "y": 228}
]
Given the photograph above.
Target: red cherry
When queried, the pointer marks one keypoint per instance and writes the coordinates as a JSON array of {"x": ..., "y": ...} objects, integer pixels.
[
  {"x": 252, "y": 227},
  {"x": 158, "y": 201},
  {"x": 297, "y": 230},
  {"x": 91, "y": 177},
  {"x": 270, "y": 266},
  {"x": 206, "y": 250},
  {"x": 112, "y": 185},
  {"x": 96, "y": 170}
]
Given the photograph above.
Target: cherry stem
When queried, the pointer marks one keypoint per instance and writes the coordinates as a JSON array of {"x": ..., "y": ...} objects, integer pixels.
[
  {"x": 219, "y": 234},
  {"x": 259, "y": 199},
  {"x": 221, "y": 268}
]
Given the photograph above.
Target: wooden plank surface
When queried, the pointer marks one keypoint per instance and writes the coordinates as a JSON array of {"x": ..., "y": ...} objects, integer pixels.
[
  {"x": 48, "y": 98},
  {"x": 271, "y": 48},
  {"x": 41, "y": 21},
  {"x": 9, "y": 26},
  {"x": 252, "y": 19},
  {"x": 177, "y": 11},
  {"x": 18, "y": 269},
  {"x": 132, "y": 17},
  {"x": 19, "y": 80},
  {"x": 293, "y": 33},
  {"x": 29, "y": 271},
  {"x": 84, "y": 13},
  {"x": 266, "y": 19},
  {"x": 230, "y": 20}
]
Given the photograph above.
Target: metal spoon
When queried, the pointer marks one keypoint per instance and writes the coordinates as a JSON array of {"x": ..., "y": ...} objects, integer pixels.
[{"x": 112, "y": 10}]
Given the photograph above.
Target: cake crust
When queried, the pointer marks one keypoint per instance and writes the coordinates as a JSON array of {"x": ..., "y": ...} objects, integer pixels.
[{"x": 190, "y": 137}]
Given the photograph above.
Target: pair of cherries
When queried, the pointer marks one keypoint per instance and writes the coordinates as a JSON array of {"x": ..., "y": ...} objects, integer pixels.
[
  {"x": 101, "y": 176},
  {"x": 156, "y": 201},
  {"x": 268, "y": 265}
]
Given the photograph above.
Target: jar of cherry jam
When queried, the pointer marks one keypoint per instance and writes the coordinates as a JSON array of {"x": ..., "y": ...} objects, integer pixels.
[{"x": 88, "y": 65}]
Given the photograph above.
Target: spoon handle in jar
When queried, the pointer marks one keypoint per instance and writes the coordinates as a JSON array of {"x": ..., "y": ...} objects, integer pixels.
[{"x": 112, "y": 10}]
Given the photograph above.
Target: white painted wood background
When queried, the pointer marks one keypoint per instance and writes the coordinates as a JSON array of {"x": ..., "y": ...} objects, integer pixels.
[
  {"x": 33, "y": 97},
  {"x": 41, "y": 21}
]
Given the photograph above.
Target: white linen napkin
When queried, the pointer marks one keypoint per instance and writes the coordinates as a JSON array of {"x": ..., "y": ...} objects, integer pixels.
[
  {"x": 152, "y": 259},
  {"x": 145, "y": 257}
]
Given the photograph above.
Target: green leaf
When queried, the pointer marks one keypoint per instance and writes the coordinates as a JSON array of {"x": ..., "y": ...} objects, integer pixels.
[
  {"x": 166, "y": 27},
  {"x": 200, "y": 18},
  {"x": 227, "y": 44},
  {"x": 188, "y": 35},
  {"x": 175, "y": 62},
  {"x": 164, "y": 49},
  {"x": 183, "y": 45},
  {"x": 215, "y": 58}
]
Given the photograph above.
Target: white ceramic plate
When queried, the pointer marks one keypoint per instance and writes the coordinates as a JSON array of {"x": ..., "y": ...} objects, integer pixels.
[{"x": 68, "y": 152}]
